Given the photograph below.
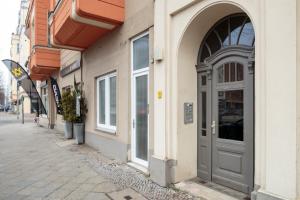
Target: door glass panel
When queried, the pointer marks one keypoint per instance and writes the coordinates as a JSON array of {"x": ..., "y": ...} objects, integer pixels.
[
  {"x": 203, "y": 113},
  {"x": 231, "y": 112},
  {"x": 227, "y": 67},
  {"x": 232, "y": 72},
  {"x": 141, "y": 53},
  {"x": 142, "y": 117},
  {"x": 240, "y": 72},
  {"x": 102, "y": 102},
  {"x": 221, "y": 74}
]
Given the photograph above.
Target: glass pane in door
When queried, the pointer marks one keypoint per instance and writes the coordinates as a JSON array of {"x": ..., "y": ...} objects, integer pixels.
[
  {"x": 231, "y": 115},
  {"x": 141, "y": 130}
]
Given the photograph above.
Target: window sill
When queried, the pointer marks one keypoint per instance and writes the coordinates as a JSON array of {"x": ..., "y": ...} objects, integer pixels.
[{"x": 107, "y": 130}]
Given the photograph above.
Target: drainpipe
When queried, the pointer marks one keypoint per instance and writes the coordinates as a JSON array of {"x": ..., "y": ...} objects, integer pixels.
[{"x": 81, "y": 72}]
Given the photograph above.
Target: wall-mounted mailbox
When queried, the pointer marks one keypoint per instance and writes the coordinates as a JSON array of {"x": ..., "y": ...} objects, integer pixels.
[{"x": 188, "y": 113}]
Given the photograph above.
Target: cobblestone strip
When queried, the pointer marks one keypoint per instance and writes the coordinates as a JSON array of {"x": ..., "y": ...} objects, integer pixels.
[{"x": 125, "y": 176}]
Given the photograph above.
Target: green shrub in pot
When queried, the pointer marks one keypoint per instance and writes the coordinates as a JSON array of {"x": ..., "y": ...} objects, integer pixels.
[
  {"x": 69, "y": 115},
  {"x": 80, "y": 115}
]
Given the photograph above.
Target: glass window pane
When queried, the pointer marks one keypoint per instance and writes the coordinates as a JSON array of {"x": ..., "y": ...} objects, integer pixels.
[
  {"x": 102, "y": 102},
  {"x": 231, "y": 115},
  {"x": 113, "y": 101},
  {"x": 240, "y": 72},
  {"x": 203, "y": 111},
  {"x": 213, "y": 43},
  {"x": 141, "y": 53},
  {"x": 222, "y": 30},
  {"x": 232, "y": 72},
  {"x": 236, "y": 24},
  {"x": 247, "y": 34},
  {"x": 204, "y": 53},
  {"x": 142, "y": 117}
]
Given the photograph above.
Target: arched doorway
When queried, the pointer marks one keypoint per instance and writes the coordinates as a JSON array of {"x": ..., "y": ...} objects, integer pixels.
[{"x": 225, "y": 74}]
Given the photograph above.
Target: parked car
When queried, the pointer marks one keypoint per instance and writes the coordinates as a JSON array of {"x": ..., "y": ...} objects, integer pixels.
[{"x": 1, "y": 108}]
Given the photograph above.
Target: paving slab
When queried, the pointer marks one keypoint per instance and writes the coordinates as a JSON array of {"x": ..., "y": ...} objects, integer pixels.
[
  {"x": 38, "y": 163},
  {"x": 127, "y": 194}
]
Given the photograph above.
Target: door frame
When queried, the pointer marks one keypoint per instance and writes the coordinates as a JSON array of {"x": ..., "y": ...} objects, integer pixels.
[
  {"x": 207, "y": 67},
  {"x": 134, "y": 75}
]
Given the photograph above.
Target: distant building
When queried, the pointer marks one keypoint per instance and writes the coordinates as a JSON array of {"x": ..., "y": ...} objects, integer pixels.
[{"x": 19, "y": 52}]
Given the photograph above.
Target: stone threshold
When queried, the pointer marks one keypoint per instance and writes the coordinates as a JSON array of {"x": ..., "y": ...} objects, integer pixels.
[{"x": 209, "y": 190}]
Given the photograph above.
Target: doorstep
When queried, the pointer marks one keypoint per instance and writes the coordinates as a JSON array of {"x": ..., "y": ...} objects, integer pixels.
[
  {"x": 140, "y": 168},
  {"x": 211, "y": 191}
]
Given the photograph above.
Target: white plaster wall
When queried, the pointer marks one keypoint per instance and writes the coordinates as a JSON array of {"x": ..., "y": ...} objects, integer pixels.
[{"x": 280, "y": 66}]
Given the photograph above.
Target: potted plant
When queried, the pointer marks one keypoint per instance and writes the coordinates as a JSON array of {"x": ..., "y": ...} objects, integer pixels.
[
  {"x": 81, "y": 111},
  {"x": 68, "y": 105}
]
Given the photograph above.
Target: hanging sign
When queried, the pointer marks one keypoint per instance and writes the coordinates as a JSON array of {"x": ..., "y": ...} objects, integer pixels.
[{"x": 57, "y": 95}]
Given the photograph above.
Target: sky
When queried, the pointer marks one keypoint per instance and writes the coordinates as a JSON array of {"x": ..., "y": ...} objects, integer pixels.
[{"x": 9, "y": 10}]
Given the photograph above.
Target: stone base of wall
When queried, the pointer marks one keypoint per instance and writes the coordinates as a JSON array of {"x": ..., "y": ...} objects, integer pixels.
[
  {"x": 108, "y": 147},
  {"x": 162, "y": 171}
]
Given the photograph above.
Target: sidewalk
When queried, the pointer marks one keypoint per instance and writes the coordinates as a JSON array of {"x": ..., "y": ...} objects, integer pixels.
[{"x": 37, "y": 163}]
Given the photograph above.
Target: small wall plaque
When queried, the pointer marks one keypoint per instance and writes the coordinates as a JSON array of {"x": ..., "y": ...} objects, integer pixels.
[{"x": 188, "y": 113}]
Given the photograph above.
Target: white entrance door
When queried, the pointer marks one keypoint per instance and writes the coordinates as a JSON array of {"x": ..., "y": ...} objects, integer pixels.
[
  {"x": 140, "y": 99},
  {"x": 140, "y": 119}
]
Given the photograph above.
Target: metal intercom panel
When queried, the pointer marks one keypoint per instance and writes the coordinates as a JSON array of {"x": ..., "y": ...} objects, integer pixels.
[{"x": 188, "y": 113}]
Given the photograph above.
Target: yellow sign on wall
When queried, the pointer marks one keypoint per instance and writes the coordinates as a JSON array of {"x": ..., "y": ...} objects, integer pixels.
[{"x": 159, "y": 94}]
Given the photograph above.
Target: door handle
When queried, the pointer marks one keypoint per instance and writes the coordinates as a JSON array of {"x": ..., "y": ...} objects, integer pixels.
[{"x": 213, "y": 126}]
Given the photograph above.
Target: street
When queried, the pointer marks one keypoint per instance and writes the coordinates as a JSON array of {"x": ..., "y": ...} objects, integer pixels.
[{"x": 37, "y": 163}]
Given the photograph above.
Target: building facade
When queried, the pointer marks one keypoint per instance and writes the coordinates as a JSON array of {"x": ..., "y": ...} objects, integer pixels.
[
  {"x": 19, "y": 53},
  {"x": 180, "y": 88}
]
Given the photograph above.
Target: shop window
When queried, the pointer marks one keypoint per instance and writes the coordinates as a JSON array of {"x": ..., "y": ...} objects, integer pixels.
[{"x": 107, "y": 102}]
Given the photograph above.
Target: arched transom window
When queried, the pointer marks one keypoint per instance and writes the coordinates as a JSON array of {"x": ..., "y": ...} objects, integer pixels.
[{"x": 233, "y": 30}]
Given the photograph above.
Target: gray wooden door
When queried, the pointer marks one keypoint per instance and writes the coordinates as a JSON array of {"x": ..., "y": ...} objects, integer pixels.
[{"x": 225, "y": 122}]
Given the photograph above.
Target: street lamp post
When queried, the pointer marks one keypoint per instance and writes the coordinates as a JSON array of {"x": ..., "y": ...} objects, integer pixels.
[
  {"x": 18, "y": 112},
  {"x": 22, "y": 99}
]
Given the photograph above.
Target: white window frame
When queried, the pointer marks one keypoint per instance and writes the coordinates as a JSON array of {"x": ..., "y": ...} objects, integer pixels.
[
  {"x": 105, "y": 127},
  {"x": 134, "y": 75}
]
